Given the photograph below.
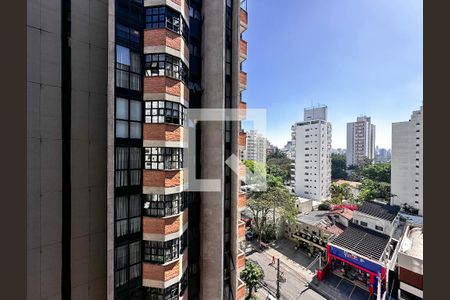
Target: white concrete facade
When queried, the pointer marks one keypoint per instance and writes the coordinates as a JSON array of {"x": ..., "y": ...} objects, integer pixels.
[
  {"x": 312, "y": 178},
  {"x": 407, "y": 162},
  {"x": 360, "y": 140},
  {"x": 256, "y": 147}
]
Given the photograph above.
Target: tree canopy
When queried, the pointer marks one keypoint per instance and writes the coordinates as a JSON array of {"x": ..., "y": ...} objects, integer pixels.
[
  {"x": 252, "y": 275},
  {"x": 338, "y": 166}
]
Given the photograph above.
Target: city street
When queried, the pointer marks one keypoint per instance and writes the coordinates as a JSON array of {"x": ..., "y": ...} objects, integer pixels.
[{"x": 294, "y": 287}]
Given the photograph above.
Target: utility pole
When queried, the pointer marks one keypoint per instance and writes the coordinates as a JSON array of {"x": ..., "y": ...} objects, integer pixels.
[{"x": 278, "y": 279}]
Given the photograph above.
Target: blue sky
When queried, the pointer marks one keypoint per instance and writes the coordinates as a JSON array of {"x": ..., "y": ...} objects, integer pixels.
[{"x": 355, "y": 56}]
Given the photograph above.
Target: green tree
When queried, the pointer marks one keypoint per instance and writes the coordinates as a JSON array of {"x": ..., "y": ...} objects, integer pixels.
[
  {"x": 340, "y": 193},
  {"x": 252, "y": 275},
  {"x": 338, "y": 166},
  {"x": 380, "y": 172},
  {"x": 266, "y": 204},
  {"x": 371, "y": 189},
  {"x": 279, "y": 165}
]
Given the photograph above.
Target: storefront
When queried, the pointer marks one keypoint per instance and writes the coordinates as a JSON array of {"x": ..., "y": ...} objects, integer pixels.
[
  {"x": 361, "y": 271},
  {"x": 357, "y": 255}
]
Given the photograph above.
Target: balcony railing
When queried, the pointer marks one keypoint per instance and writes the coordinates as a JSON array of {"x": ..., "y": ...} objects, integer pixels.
[
  {"x": 243, "y": 49},
  {"x": 243, "y": 80}
]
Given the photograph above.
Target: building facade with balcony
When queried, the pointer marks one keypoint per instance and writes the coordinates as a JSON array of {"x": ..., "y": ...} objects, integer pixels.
[
  {"x": 407, "y": 162},
  {"x": 360, "y": 141},
  {"x": 312, "y": 168},
  {"x": 110, "y": 85}
]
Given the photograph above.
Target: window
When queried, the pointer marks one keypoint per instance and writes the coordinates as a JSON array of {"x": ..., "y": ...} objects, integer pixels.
[
  {"x": 165, "y": 17},
  {"x": 159, "y": 158},
  {"x": 183, "y": 241},
  {"x": 128, "y": 166},
  {"x": 128, "y": 118},
  {"x": 165, "y": 65},
  {"x": 164, "y": 112},
  {"x": 161, "y": 252},
  {"x": 128, "y": 34},
  {"x": 128, "y": 69},
  {"x": 127, "y": 263},
  {"x": 164, "y": 205},
  {"x": 183, "y": 282},
  {"x": 363, "y": 223},
  {"x": 378, "y": 228},
  {"x": 170, "y": 293},
  {"x": 127, "y": 215}
]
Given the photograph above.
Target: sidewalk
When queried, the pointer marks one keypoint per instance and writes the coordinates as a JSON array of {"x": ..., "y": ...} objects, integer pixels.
[{"x": 323, "y": 288}]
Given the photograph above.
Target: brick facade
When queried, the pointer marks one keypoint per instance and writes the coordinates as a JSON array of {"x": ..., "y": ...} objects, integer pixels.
[
  {"x": 161, "y": 225},
  {"x": 163, "y": 132},
  {"x": 242, "y": 200},
  {"x": 157, "y": 178},
  {"x": 161, "y": 273}
]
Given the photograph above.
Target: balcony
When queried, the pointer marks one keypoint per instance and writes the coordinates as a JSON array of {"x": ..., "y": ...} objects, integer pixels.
[
  {"x": 243, "y": 80},
  {"x": 242, "y": 203},
  {"x": 242, "y": 110},
  {"x": 241, "y": 230},
  {"x": 240, "y": 290},
  {"x": 242, "y": 139},
  {"x": 240, "y": 260},
  {"x": 243, "y": 49},
  {"x": 243, "y": 19},
  {"x": 242, "y": 171}
]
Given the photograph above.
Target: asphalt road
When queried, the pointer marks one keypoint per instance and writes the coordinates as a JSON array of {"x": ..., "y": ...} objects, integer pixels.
[{"x": 293, "y": 288}]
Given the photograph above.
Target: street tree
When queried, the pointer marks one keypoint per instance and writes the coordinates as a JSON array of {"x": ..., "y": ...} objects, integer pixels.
[
  {"x": 252, "y": 275},
  {"x": 340, "y": 193}
]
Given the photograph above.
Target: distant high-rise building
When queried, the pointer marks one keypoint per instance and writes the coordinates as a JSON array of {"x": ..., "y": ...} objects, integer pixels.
[
  {"x": 256, "y": 148},
  {"x": 311, "y": 177},
  {"x": 289, "y": 149},
  {"x": 407, "y": 162},
  {"x": 360, "y": 140}
]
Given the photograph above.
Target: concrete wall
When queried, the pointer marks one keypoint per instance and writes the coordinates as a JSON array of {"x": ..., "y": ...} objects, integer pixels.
[
  {"x": 212, "y": 153},
  {"x": 44, "y": 149}
]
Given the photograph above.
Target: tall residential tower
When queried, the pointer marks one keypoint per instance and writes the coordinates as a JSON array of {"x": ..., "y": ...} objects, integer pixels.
[
  {"x": 312, "y": 168},
  {"x": 110, "y": 211},
  {"x": 407, "y": 162},
  {"x": 360, "y": 141}
]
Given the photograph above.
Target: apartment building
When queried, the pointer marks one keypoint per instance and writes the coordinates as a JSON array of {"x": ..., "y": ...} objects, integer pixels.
[
  {"x": 311, "y": 176},
  {"x": 360, "y": 141},
  {"x": 407, "y": 162},
  {"x": 256, "y": 147},
  {"x": 110, "y": 213}
]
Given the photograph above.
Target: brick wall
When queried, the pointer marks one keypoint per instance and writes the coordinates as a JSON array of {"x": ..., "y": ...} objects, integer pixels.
[
  {"x": 161, "y": 273},
  {"x": 156, "y": 178},
  {"x": 162, "y": 84},
  {"x": 161, "y": 225},
  {"x": 242, "y": 200},
  {"x": 161, "y": 37},
  {"x": 241, "y": 230},
  {"x": 163, "y": 132}
]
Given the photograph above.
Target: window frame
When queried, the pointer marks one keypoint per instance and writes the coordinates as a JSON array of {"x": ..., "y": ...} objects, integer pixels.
[
  {"x": 129, "y": 71},
  {"x": 164, "y": 64},
  {"x": 161, "y": 252},
  {"x": 164, "y": 112},
  {"x": 163, "y": 158}
]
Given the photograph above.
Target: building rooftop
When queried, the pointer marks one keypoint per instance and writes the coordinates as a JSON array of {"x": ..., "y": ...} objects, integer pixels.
[
  {"x": 313, "y": 217},
  {"x": 363, "y": 241},
  {"x": 352, "y": 184},
  {"x": 345, "y": 212},
  {"x": 412, "y": 244},
  {"x": 379, "y": 210}
]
